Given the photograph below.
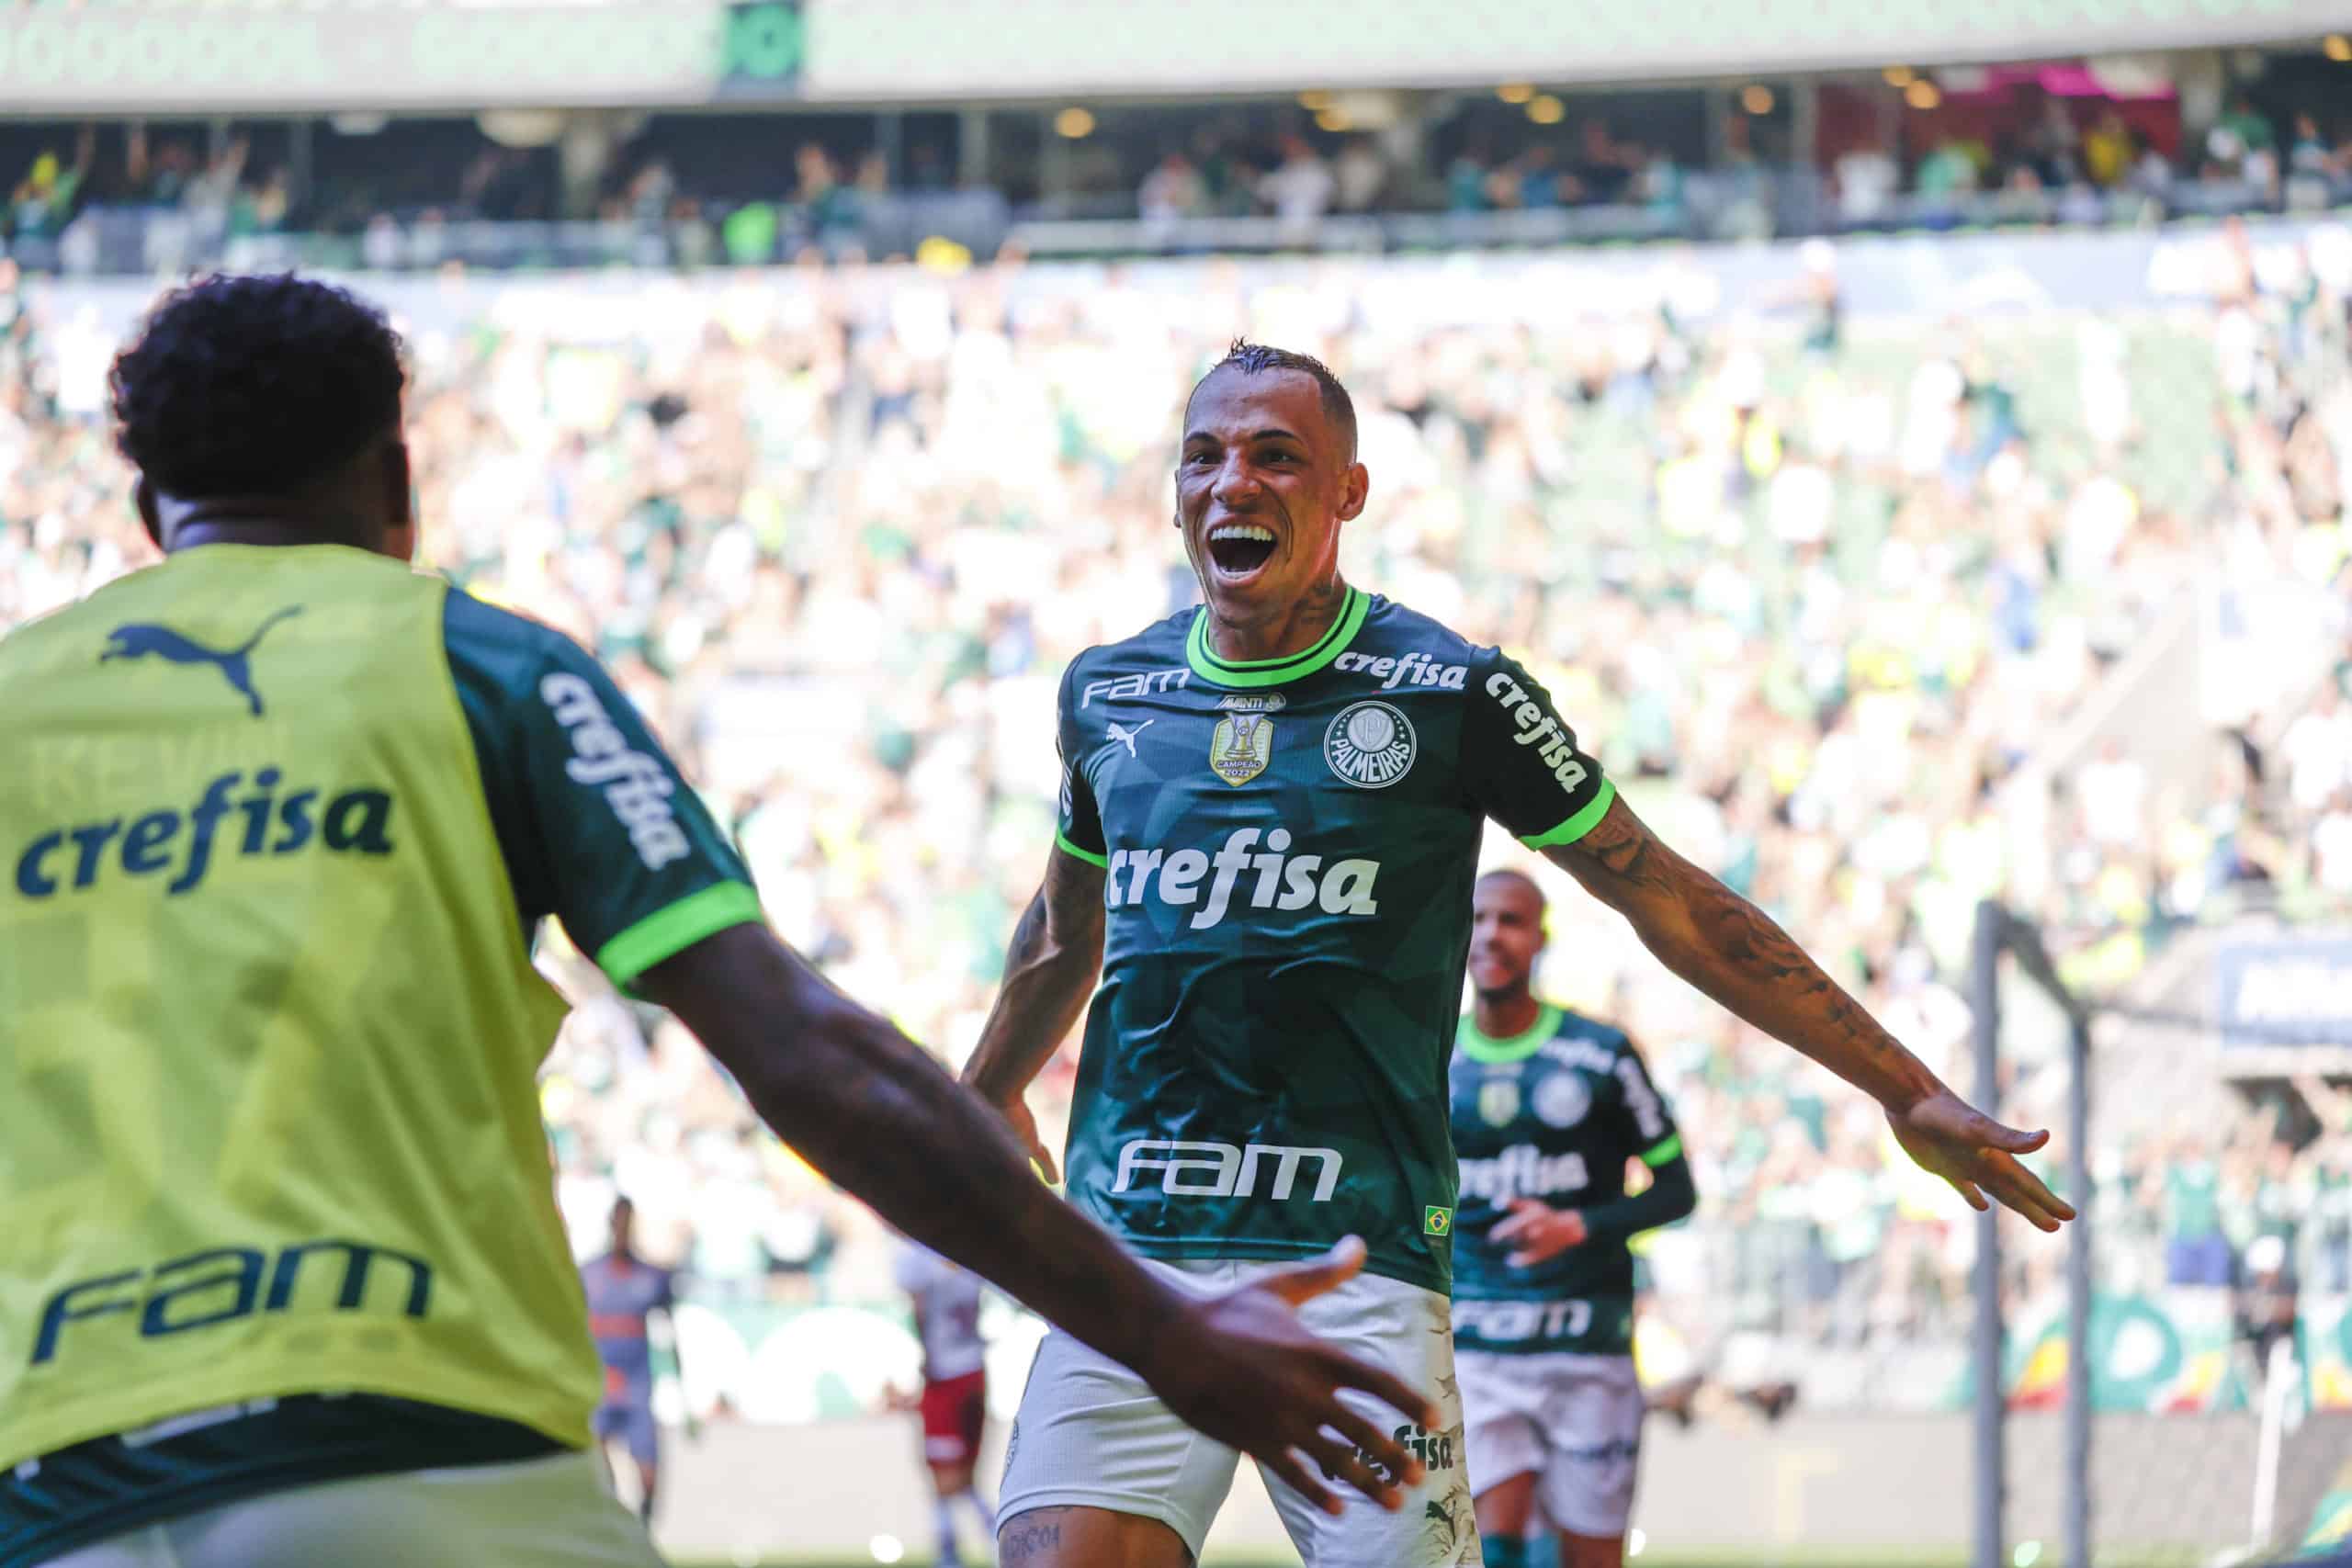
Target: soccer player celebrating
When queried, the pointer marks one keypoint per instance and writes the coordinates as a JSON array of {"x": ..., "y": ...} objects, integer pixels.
[
  {"x": 1271, "y": 811},
  {"x": 1549, "y": 1109},
  {"x": 954, "y": 1401},
  {"x": 624, "y": 1291},
  {"x": 283, "y": 1281}
]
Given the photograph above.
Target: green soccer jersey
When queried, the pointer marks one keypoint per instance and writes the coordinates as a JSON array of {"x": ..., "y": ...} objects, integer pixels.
[
  {"x": 1289, "y": 846},
  {"x": 1554, "y": 1114}
]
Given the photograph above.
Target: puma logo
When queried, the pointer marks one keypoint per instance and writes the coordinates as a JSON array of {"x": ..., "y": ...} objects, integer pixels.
[
  {"x": 1126, "y": 737},
  {"x": 141, "y": 638}
]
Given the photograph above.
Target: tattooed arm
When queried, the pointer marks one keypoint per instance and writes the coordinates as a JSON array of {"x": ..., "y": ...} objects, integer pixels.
[
  {"x": 1726, "y": 947},
  {"x": 1049, "y": 970},
  {"x": 867, "y": 1108}
]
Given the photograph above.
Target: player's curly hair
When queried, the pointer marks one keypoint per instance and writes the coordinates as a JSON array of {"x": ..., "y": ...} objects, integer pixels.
[
  {"x": 253, "y": 386},
  {"x": 1256, "y": 358}
]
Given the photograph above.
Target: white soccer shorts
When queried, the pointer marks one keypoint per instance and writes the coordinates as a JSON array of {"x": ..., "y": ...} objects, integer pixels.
[
  {"x": 556, "y": 1512},
  {"x": 1574, "y": 1420},
  {"x": 1090, "y": 1435}
]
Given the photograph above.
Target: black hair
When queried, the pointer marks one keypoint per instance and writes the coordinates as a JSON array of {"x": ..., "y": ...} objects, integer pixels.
[
  {"x": 1256, "y": 358},
  {"x": 253, "y": 386}
]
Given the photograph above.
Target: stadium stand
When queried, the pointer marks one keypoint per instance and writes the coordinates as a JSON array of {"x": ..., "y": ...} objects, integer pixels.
[{"x": 1815, "y": 583}]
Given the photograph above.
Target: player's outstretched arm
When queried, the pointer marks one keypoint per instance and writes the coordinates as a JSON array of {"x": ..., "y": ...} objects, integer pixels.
[
  {"x": 1731, "y": 950},
  {"x": 867, "y": 1108},
  {"x": 1049, "y": 970}
]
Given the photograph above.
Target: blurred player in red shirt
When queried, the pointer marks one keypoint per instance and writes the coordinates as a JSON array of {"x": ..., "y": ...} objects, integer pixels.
[{"x": 955, "y": 1387}]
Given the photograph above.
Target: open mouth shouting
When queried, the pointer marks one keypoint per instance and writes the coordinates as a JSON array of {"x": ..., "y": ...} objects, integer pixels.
[{"x": 1238, "y": 551}]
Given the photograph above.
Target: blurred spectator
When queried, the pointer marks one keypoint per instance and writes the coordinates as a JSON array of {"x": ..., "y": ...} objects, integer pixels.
[
  {"x": 1867, "y": 179},
  {"x": 2107, "y": 150},
  {"x": 1945, "y": 171},
  {"x": 2317, "y": 749},
  {"x": 1300, "y": 187},
  {"x": 2197, "y": 1250},
  {"x": 1172, "y": 190},
  {"x": 1601, "y": 169},
  {"x": 1361, "y": 174}
]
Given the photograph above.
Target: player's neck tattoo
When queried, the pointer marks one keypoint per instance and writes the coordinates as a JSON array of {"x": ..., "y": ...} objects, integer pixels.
[{"x": 1297, "y": 629}]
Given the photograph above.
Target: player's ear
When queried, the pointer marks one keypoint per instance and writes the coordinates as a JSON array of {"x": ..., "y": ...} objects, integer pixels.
[
  {"x": 142, "y": 496},
  {"x": 399, "y": 501},
  {"x": 1355, "y": 488}
]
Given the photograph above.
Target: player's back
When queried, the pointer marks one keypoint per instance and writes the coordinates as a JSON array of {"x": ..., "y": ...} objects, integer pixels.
[
  {"x": 267, "y": 1016},
  {"x": 948, "y": 1303}
]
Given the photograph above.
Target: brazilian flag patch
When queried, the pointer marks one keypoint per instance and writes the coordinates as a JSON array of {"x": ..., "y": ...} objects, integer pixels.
[{"x": 1436, "y": 1221}]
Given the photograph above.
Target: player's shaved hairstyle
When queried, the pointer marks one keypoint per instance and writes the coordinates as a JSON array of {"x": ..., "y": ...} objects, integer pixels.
[
  {"x": 1506, "y": 873},
  {"x": 1256, "y": 358},
  {"x": 254, "y": 386}
]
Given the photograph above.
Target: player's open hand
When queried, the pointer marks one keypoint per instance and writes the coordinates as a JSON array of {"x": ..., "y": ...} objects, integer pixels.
[
  {"x": 1017, "y": 1114},
  {"x": 1952, "y": 1139},
  {"x": 1241, "y": 1367},
  {"x": 1542, "y": 1232}
]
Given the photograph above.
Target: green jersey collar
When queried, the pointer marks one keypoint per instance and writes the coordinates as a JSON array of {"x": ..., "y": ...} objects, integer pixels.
[
  {"x": 1478, "y": 1048},
  {"x": 1275, "y": 672}
]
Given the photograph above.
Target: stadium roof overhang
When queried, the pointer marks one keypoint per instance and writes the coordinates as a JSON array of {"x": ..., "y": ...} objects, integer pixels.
[{"x": 318, "y": 58}]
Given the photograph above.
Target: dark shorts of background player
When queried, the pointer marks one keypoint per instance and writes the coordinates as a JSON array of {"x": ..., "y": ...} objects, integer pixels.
[
  {"x": 954, "y": 1411},
  {"x": 628, "y": 1415}
]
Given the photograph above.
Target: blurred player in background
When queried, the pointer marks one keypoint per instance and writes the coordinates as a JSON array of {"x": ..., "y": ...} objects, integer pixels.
[
  {"x": 1271, "y": 814},
  {"x": 624, "y": 1292},
  {"x": 284, "y": 1282},
  {"x": 1549, "y": 1111},
  {"x": 954, "y": 1399}
]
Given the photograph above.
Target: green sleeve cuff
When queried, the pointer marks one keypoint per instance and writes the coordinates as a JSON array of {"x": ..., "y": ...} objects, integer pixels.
[
  {"x": 667, "y": 932},
  {"x": 1576, "y": 827},
  {"x": 1088, "y": 856},
  {"x": 1670, "y": 1150}
]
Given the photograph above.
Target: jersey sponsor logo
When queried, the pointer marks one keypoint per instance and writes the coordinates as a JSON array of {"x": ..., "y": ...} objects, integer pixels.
[
  {"x": 1120, "y": 734},
  {"x": 1241, "y": 747},
  {"x": 637, "y": 786},
  {"x": 1504, "y": 1323},
  {"x": 142, "y": 639},
  {"x": 1282, "y": 880},
  {"x": 1412, "y": 669},
  {"x": 222, "y": 1284},
  {"x": 1436, "y": 1450},
  {"x": 1369, "y": 744},
  {"x": 1562, "y": 1099},
  {"x": 1522, "y": 1170},
  {"x": 1537, "y": 727},
  {"x": 1573, "y": 1052},
  {"x": 1144, "y": 684},
  {"x": 1498, "y": 1102},
  {"x": 1641, "y": 1098},
  {"x": 357, "y": 822},
  {"x": 1192, "y": 1168},
  {"x": 1253, "y": 702}
]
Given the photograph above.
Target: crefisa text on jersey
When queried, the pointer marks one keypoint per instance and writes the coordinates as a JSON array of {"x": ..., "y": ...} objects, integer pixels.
[
  {"x": 636, "y": 786},
  {"x": 1410, "y": 670},
  {"x": 1277, "y": 879},
  {"x": 271, "y": 823}
]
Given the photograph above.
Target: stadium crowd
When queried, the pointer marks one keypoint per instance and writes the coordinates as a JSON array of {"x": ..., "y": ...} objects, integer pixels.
[
  {"x": 749, "y": 190},
  {"x": 1812, "y": 589}
]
